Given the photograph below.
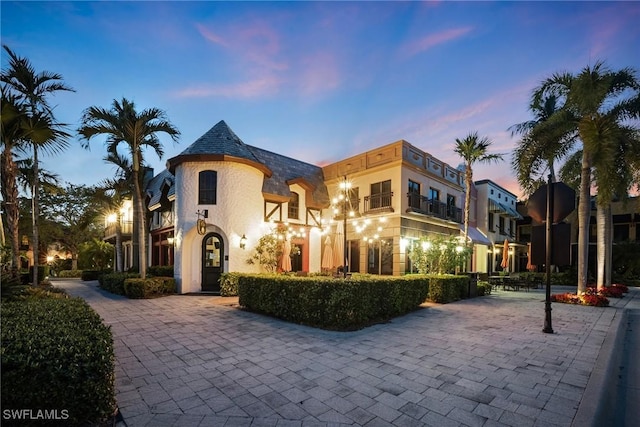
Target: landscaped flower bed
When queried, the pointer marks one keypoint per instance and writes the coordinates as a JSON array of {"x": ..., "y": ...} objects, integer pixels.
[
  {"x": 592, "y": 296},
  {"x": 583, "y": 299}
]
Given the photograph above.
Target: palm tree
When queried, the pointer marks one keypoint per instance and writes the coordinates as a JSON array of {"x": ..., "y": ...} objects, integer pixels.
[
  {"x": 616, "y": 173},
  {"x": 12, "y": 134},
  {"x": 111, "y": 194},
  {"x": 473, "y": 149},
  {"x": 594, "y": 99},
  {"x": 123, "y": 124},
  {"x": 32, "y": 88},
  {"x": 533, "y": 156}
]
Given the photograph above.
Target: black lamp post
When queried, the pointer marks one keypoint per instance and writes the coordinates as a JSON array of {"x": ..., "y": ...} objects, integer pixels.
[
  {"x": 549, "y": 247},
  {"x": 344, "y": 227}
]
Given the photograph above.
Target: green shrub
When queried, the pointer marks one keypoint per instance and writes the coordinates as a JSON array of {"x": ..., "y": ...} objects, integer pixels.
[
  {"x": 484, "y": 288},
  {"x": 88, "y": 275},
  {"x": 57, "y": 353},
  {"x": 150, "y": 287},
  {"x": 229, "y": 284},
  {"x": 565, "y": 278},
  {"x": 114, "y": 282},
  {"x": 70, "y": 273},
  {"x": 444, "y": 289},
  {"x": 160, "y": 271},
  {"x": 332, "y": 303}
]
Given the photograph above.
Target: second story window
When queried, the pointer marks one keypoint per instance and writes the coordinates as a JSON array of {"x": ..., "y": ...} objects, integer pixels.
[
  {"x": 380, "y": 194},
  {"x": 294, "y": 206},
  {"x": 434, "y": 194},
  {"x": 207, "y": 187},
  {"x": 491, "y": 222},
  {"x": 414, "y": 194},
  {"x": 501, "y": 225}
]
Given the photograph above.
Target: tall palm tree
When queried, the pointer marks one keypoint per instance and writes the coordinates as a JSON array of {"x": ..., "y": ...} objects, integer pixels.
[
  {"x": 532, "y": 157},
  {"x": 42, "y": 131},
  {"x": 616, "y": 173},
  {"x": 593, "y": 99},
  {"x": 122, "y": 124},
  {"x": 473, "y": 149},
  {"x": 12, "y": 135}
]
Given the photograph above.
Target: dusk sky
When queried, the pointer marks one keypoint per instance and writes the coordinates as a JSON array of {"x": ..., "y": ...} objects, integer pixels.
[{"x": 316, "y": 81}]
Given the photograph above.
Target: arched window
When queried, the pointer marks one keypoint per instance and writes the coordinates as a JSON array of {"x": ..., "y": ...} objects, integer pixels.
[
  {"x": 207, "y": 184},
  {"x": 294, "y": 206}
]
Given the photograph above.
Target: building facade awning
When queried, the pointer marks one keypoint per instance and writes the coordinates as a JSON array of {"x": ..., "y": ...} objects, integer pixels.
[
  {"x": 497, "y": 207},
  {"x": 476, "y": 236}
]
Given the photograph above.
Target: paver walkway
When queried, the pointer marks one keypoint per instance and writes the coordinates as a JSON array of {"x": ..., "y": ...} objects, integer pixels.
[{"x": 185, "y": 360}]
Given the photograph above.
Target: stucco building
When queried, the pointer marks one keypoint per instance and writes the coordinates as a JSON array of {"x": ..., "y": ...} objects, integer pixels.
[{"x": 218, "y": 197}]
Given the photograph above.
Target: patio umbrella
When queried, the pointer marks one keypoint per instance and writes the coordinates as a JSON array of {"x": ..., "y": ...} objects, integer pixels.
[
  {"x": 285, "y": 264},
  {"x": 327, "y": 258},
  {"x": 505, "y": 255},
  {"x": 338, "y": 246},
  {"x": 530, "y": 266}
]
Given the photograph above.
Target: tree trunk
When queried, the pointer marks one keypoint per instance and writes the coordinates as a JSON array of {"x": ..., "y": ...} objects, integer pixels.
[
  {"x": 584, "y": 210},
  {"x": 608, "y": 246},
  {"x": 119, "y": 260},
  {"x": 9, "y": 191},
  {"x": 139, "y": 212},
  {"x": 467, "y": 209},
  {"x": 467, "y": 202},
  {"x": 601, "y": 236},
  {"x": 35, "y": 214}
]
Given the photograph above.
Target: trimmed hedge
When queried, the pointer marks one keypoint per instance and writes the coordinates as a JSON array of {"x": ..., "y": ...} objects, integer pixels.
[
  {"x": 114, "y": 282},
  {"x": 70, "y": 273},
  {"x": 484, "y": 288},
  {"x": 444, "y": 289},
  {"x": 342, "y": 304},
  {"x": 57, "y": 354},
  {"x": 150, "y": 287},
  {"x": 229, "y": 284},
  {"x": 160, "y": 271},
  {"x": 88, "y": 275}
]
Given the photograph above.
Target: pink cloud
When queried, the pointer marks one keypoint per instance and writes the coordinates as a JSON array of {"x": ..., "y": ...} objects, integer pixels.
[
  {"x": 318, "y": 73},
  {"x": 427, "y": 42},
  {"x": 211, "y": 36},
  {"x": 255, "y": 49},
  {"x": 255, "y": 44},
  {"x": 262, "y": 86}
]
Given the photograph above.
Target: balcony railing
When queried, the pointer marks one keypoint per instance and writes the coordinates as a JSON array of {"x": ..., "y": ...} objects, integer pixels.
[
  {"x": 378, "y": 202},
  {"x": 126, "y": 227},
  {"x": 426, "y": 206}
]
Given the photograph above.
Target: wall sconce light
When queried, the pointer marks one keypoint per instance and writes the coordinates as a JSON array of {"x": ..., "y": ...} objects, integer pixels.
[
  {"x": 170, "y": 240},
  {"x": 243, "y": 241}
]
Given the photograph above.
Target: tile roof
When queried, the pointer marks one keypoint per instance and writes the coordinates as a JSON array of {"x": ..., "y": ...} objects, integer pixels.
[
  {"x": 287, "y": 170},
  {"x": 221, "y": 143},
  {"x": 220, "y": 139},
  {"x": 156, "y": 186}
]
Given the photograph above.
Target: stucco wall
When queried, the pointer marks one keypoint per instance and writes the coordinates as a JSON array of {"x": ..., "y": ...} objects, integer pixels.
[{"x": 239, "y": 210}]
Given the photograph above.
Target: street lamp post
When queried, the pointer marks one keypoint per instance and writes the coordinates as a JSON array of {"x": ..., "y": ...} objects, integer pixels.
[
  {"x": 548, "y": 329},
  {"x": 344, "y": 227}
]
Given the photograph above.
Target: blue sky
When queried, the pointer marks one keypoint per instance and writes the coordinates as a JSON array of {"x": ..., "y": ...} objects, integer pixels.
[{"x": 316, "y": 81}]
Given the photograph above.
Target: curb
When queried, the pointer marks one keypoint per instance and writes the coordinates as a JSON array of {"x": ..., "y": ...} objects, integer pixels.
[{"x": 599, "y": 398}]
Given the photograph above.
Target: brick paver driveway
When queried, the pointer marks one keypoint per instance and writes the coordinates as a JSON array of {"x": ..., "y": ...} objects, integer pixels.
[{"x": 184, "y": 360}]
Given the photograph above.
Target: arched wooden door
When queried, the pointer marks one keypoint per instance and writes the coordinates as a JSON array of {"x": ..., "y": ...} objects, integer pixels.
[{"x": 212, "y": 262}]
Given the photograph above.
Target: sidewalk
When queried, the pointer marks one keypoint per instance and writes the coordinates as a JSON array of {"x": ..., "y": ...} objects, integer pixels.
[{"x": 191, "y": 361}]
